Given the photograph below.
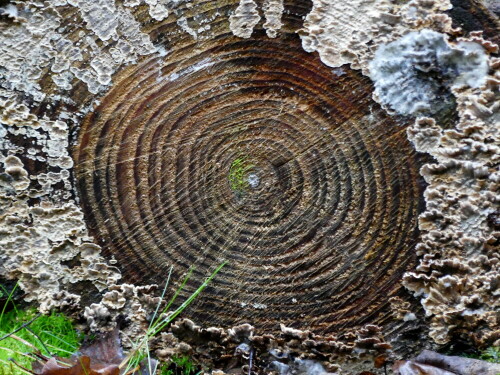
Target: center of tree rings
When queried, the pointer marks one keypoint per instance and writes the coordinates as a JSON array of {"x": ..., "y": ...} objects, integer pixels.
[{"x": 264, "y": 158}]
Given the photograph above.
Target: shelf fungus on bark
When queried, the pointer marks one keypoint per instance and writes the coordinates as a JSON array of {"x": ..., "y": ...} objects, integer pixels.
[
  {"x": 457, "y": 278},
  {"x": 427, "y": 66},
  {"x": 285, "y": 351}
]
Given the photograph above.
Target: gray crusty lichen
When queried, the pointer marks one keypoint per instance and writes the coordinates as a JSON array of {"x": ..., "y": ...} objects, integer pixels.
[
  {"x": 414, "y": 74},
  {"x": 286, "y": 352},
  {"x": 43, "y": 238},
  {"x": 350, "y": 32},
  {"x": 36, "y": 42},
  {"x": 246, "y": 17},
  {"x": 457, "y": 278}
]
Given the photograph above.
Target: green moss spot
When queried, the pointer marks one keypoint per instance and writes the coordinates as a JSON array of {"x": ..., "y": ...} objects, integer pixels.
[
  {"x": 492, "y": 354},
  {"x": 180, "y": 366},
  {"x": 238, "y": 174}
]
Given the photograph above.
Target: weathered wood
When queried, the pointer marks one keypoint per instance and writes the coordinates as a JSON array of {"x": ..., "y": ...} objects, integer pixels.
[{"x": 323, "y": 239}]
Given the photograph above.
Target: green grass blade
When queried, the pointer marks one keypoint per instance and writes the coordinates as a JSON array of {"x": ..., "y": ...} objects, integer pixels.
[
  {"x": 61, "y": 340},
  {"x": 186, "y": 303},
  {"x": 140, "y": 350},
  {"x": 153, "y": 320},
  {"x": 179, "y": 289},
  {"x": 57, "y": 349},
  {"x": 28, "y": 354},
  {"x": 9, "y": 298},
  {"x": 12, "y": 364}
]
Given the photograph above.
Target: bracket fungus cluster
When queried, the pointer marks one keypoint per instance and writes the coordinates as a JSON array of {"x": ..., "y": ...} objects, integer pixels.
[{"x": 342, "y": 157}]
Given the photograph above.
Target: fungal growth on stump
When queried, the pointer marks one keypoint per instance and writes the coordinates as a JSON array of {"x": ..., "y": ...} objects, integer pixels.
[{"x": 340, "y": 157}]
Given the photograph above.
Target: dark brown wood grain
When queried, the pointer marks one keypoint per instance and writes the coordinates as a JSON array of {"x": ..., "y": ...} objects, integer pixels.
[
  {"x": 473, "y": 15},
  {"x": 321, "y": 243}
]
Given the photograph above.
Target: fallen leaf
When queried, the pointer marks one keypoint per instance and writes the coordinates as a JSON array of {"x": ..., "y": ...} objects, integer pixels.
[
  {"x": 102, "y": 357},
  {"x": 414, "y": 368},
  {"x": 105, "y": 349},
  {"x": 432, "y": 363},
  {"x": 82, "y": 366}
]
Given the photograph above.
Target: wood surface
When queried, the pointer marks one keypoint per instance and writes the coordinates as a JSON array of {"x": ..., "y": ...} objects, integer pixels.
[{"x": 323, "y": 240}]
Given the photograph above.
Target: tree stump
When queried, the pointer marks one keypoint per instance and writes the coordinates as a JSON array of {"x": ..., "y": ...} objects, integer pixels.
[{"x": 189, "y": 134}]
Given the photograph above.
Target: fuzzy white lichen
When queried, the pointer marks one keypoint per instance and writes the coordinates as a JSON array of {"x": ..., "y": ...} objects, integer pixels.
[
  {"x": 415, "y": 73},
  {"x": 108, "y": 21},
  {"x": 24, "y": 52},
  {"x": 158, "y": 9},
  {"x": 29, "y": 47},
  {"x": 273, "y": 11},
  {"x": 349, "y": 32},
  {"x": 184, "y": 25},
  {"x": 9, "y": 10},
  {"x": 101, "y": 17},
  {"x": 339, "y": 30},
  {"x": 244, "y": 19}
]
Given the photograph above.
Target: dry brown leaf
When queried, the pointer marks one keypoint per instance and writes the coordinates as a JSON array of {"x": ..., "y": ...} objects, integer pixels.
[
  {"x": 102, "y": 357},
  {"x": 432, "y": 363},
  {"x": 82, "y": 366},
  {"x": 414, "y": 368},
  {"x": 106, "y": 349}
]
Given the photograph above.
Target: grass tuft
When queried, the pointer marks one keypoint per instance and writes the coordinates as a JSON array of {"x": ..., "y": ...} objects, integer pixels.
[
  {"x": 179, "y": 366},
  {"x": 54, "y": 332},
  {"x": 161, "y": 319},
  {"x": 492, "y": 354}
]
